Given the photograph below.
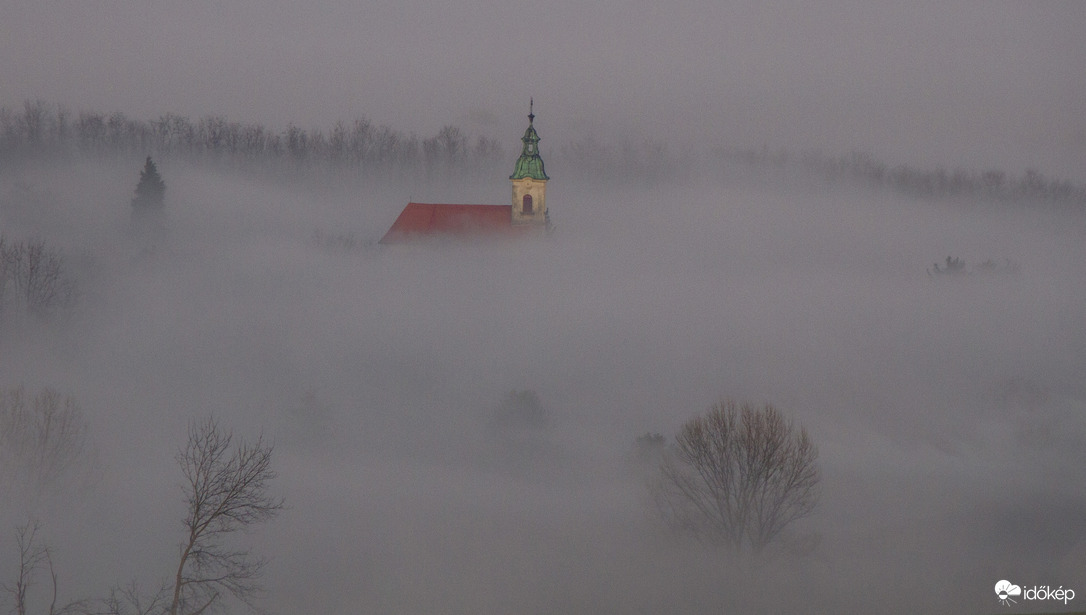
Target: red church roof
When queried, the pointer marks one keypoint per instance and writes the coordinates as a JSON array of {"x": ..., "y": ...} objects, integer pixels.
[{"x": 428, "y": 219}]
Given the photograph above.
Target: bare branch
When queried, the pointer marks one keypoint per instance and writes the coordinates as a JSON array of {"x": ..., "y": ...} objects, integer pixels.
[{"x": 130, "y": 600}]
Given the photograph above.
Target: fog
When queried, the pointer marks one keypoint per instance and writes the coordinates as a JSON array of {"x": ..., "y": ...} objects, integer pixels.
[{"x": 948, "y": 409}]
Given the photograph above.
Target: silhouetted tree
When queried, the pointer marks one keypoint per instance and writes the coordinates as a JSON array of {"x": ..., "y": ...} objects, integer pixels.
[
  {"x": 226, "y": 487},
  {"x": 151, "y": 190},
  {"x": 738, "y": 476},
  {"x": 226, "y": 484}
]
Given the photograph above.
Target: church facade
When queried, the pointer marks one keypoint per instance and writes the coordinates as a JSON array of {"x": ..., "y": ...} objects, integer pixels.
[{"x": 526, "y": 214}]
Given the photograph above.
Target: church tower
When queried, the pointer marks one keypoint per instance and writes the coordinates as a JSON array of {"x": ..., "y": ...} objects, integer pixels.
[{"x": 530, "y": 180}]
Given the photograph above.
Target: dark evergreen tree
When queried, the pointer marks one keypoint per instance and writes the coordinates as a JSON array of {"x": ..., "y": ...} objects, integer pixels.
[{"x": 151, "y": 190}]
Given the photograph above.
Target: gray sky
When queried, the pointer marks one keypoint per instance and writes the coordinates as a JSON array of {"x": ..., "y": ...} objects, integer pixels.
[{"x": 959, "y": 84}]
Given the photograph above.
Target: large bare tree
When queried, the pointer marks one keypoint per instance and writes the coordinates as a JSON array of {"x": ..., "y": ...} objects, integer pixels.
[
  {"x": 226, "y": 484},
  {"x": 737, "y": 476}
]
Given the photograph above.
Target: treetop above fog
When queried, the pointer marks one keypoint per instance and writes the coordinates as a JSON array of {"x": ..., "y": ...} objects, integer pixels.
[{"x": 151, "y": 190}]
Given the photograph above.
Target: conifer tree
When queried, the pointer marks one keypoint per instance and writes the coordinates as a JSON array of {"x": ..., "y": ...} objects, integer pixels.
[{"x": 151, "y": 190}]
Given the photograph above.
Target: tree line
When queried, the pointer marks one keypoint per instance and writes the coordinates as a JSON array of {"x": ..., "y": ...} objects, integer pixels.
[
  {"x": 42, "y": 129},
  {"x": 939, "y": 183}
]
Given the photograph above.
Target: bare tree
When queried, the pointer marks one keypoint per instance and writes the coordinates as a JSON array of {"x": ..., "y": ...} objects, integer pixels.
[
  {"x": 41, "y": 435},
  {"x": 36, "y": 274},
  {"x": 226, "y": 485},
  {"x": 32, "y": 556},
  {"x": 738, "y": 476}
]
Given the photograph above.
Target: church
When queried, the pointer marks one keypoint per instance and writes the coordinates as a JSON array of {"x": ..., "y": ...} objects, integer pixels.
[{"x": 527, "y": 214}]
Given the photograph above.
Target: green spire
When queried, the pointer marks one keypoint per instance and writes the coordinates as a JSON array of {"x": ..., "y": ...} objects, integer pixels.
[{"x": 529, "y": 164}]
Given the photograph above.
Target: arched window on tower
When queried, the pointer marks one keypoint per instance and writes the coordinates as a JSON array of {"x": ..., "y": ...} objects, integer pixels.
[{"x": 527, "y": 201}]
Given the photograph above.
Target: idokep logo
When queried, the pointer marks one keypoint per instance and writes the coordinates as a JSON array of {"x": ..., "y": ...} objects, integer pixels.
[{"x": 1007, "y": 591}]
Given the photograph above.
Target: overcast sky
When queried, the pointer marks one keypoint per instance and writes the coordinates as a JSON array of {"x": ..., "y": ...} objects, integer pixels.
[{"x": 961, "y": 84}]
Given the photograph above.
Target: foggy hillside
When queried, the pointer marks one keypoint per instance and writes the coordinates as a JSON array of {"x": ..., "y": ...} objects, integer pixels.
[{"x": 947, "y": 409}]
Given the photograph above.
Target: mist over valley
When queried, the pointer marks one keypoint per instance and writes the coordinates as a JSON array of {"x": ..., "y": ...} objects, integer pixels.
[{"x": 872, "y": 221}]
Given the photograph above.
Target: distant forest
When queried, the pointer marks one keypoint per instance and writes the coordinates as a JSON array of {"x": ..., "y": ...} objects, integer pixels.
[
  {"x": 993, "y": 185},
  {"x": 41, "y": 130},
  {"x": 44, "y": 129}
]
